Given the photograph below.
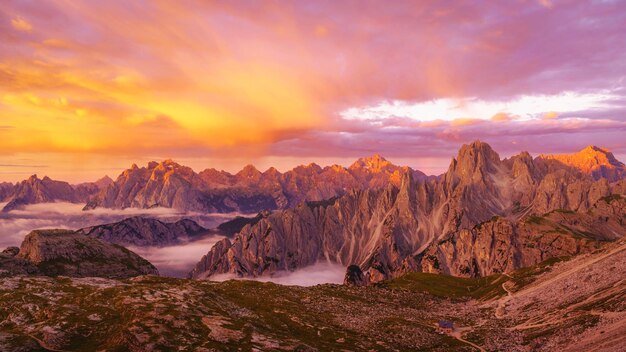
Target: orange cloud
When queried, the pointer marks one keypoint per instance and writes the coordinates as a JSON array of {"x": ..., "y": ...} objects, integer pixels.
[
  {"x": 21, "y": 24},
  {"x": 465, "y": 122},
  {"x": 501, "y": 116},
  {"x": 550, "y": 115}
]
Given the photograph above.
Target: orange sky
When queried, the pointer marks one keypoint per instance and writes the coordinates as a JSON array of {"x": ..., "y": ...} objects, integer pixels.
[{"x": 87, "y": 88}]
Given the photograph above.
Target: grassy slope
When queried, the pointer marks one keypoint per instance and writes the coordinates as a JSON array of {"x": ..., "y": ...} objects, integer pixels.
[{"x": 160, "y": 313}]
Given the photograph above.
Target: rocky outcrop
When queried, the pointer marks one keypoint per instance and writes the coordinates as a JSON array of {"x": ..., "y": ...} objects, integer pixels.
[
  {"x": 67, "y": 253},
  {"x": 35, "y": 190},
  {"x": 355, "y": 277},
  {"x": 390, "y": 231},
  {"x": 140, "y": 231},
  {"x": 11, "y": 265},
  {"x": 168, "y": 184}
]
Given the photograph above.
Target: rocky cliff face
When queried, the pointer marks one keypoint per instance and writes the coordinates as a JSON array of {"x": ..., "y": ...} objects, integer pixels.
[
  {"x": 171, "y": 185},
  {"x": 139, "y": 231},
  {"x": 6, "y": 191},
  {"x": 501, "y": 245},
  {"x": 35, "y": 190},
  {"x": 391, "y": 230},
  {"x": 62, "y": 252}
]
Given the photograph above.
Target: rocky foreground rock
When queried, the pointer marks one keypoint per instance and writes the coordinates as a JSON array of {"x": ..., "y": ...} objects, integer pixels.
[
  {"x": 484, "y": 215},
  {"x": 67, "y": 253}
]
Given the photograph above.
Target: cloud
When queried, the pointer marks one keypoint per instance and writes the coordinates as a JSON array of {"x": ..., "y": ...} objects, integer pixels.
[
  {"x": 501, "y": 117},
  {"x": 466, "y": 109},
  {"x": 546, "y": 3},
  {"x": 177, "y": 260},
  {"x": 21, "y": 24},
  {"x": 550, "y": 115},
  {"x": 319, "y": 273}
]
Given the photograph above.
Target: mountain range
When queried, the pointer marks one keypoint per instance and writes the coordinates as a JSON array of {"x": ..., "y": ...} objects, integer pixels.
[
  {"x": 35, "y": 190},
  {"x": 484, "y": 215},
  {"x": 171, "y": 185}
]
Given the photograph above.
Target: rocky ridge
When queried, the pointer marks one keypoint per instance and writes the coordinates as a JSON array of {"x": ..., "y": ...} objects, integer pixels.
[{"x": 141, "y": 231}]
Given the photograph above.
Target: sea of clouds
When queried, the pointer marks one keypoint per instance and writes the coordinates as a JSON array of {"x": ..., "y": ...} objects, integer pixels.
[
  {"x": 177, "y": 260},
  {"x": 174, "y": 260}
]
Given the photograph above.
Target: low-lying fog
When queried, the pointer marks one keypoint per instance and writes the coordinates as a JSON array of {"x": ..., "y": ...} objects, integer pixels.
[
  {"x": 320, "y": 273},
  {"x": 15, "y": 224},
  {"x": 174, "y": 261}
]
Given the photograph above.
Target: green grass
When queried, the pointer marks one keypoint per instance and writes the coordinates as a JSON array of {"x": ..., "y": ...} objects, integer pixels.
[
  {"x": 533, "y": 219},
  {"x": 449, "y": 286},
  {"x": 611, "y": 198}
]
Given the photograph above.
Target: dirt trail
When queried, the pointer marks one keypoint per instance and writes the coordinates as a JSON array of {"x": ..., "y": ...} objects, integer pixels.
[
  {"x": 500, "y": 310},
  {"x": 44, "y": 345},
  {"x": 458, "y": 334}
]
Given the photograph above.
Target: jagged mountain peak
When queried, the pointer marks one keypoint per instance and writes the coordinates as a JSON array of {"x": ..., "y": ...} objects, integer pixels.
[
  {"x": 272, "y": 171},
  {"x": 167, "y": 164},
  {"x": 337, "y": 169},
  {"x": 308, "y": 168},
  {"x": 104, "y": 181},
  {"x": 250, "y": 168},
  {"x": 602, "y": 155},
  {"x": 474, "y": 160},
  {"x": 373, "y": 163},
  {"x": 596, "y": 161},
  {"x": 249, "y": 171},
  {"x": 478, "y": 149},
  {"x": 594, "y": 149}
]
